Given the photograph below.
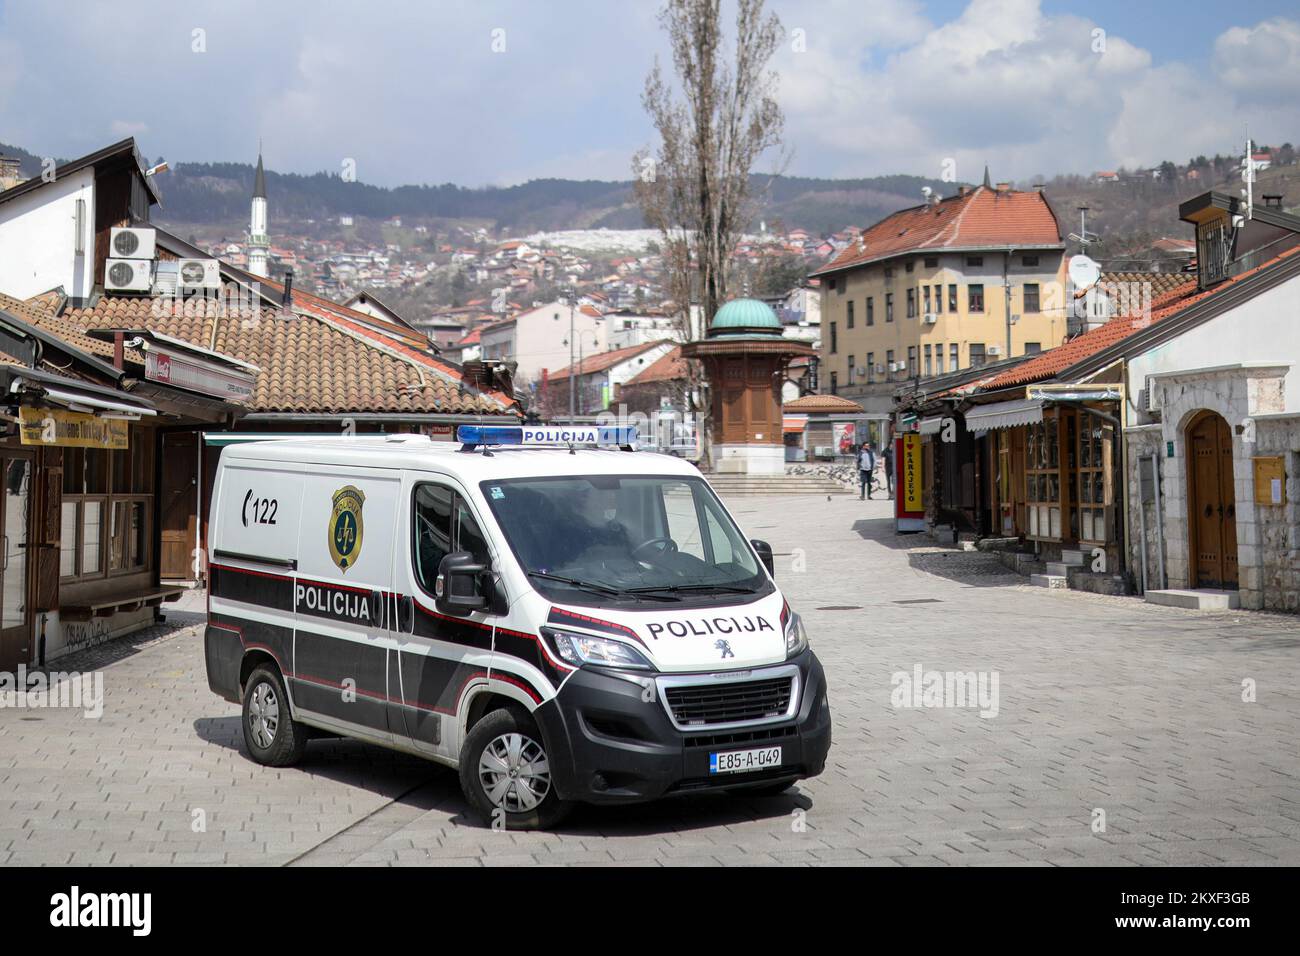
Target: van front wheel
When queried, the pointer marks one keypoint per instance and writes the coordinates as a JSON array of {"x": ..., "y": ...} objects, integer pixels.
[
  {"x": 271, "y": 734},
  {"x": 506, "y": 775}
]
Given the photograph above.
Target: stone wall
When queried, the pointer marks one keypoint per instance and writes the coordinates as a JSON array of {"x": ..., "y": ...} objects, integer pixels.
[
  {"x": 1279, "y": 525},
  {"x": 1142, "y": 524}
]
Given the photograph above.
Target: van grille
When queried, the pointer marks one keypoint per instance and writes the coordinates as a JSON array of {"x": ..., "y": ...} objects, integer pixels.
[{"x": 701, "y": 705}]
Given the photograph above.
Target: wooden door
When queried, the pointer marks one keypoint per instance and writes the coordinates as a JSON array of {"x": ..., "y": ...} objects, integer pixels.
[
  {"x": 1211, "y": 503},
  {"x": 178, "y": 505}
]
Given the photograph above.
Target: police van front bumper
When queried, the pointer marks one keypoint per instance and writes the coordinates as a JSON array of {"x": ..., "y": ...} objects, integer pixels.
[{"x": 612, "y": 737}]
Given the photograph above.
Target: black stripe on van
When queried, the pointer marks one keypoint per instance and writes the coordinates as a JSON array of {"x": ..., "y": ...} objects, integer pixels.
[{"x": 263, "y": 588}]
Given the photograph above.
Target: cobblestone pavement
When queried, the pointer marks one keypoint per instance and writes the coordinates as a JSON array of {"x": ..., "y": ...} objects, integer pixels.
[{"x": 1105, "y": 705}]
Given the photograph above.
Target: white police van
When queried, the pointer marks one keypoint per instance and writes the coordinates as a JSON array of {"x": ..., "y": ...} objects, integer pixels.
[{"x": 562, "y": 623}]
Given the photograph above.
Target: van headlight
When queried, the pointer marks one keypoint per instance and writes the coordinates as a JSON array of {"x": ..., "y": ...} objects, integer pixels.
[
  {"x": 796, "y": 638},
  {"x": 579, "y": 649}
]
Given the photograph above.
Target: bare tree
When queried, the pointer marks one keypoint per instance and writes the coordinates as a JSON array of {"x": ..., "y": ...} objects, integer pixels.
[{"x": 696, "y": 187}]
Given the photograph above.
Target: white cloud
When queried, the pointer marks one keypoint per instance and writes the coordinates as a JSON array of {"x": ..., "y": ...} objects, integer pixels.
[{"x": 1261, "y": 62}]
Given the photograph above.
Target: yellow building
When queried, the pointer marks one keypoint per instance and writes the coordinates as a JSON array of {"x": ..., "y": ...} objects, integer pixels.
[{"x": 947, "y": 285}]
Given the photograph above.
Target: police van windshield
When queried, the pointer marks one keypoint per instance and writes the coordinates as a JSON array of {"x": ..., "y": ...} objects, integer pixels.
[{"x": 614, "y": 539}]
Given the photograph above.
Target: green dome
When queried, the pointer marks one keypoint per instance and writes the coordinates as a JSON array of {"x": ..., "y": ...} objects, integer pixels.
[{"x": 746, "y": 314}]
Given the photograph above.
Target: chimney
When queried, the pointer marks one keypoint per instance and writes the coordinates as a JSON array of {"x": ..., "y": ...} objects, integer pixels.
[
  {"x": 1273, "y": 199},
  {"x": 1039, "y": 187},
  {"x": 11, "y": 173},
  {"x": 286, "y": 300},
  {"x": 1004, "y": 187},
  {"x": 962, "y": 190}
]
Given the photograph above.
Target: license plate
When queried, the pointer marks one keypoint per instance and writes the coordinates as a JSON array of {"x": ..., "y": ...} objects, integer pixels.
[{"x": 742, "y": 761}]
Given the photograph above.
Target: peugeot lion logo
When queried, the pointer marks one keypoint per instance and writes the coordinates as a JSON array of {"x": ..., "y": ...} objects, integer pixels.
[{"x": 725, "y": 647}]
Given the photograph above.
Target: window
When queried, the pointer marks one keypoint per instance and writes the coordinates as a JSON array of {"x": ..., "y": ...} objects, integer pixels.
[
  {"x": 889, "y": 272},
  {"x": 838, "y": 286},
  {"x": 442, "y": 523},
  {"x": 835, "y": 383},
  {"x": 952, "y": 298},
  {"x": 871, "y": 365},
  {"x": 911, "y": 360},
  {"x": 889, "y": 363},
  {"x": 911, "y": 303},
  {"x": 938, "y": 298},
  {"x": 1033, "y": 348},
  {"x": 620, "y": 532},
  {"x": 1031, "y": 297},
  {"x": 929, "y": 367},
  {"x": 106, "y": 513},
  {"x": 926, "y": 290},
  {"x": 1094, "y": 484},
  {"x": 974, "y": 262},
  {"x": 834, "y": 339},
  {"x": 871, "y": 310},
  {"x": 938, "y": 358},
  {"x": 976, "y": 354},
  {"x": 932, "y": 262},
  {"x": 848, "y": 315},
  {"x": 910, "y": 265},
  {"x": 889, "y": 307},
  {"x": 953, "y": 353},
  {"x": 975, "y": 298},
  {"x": 1043, "y": 479},
  {"x": 1029, "y": 261},
  {"x": 849, "y": 375}
]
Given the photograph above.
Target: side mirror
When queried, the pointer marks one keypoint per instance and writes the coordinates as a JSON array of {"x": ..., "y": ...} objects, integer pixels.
[
  {"x": 458, "y": 589},
  {"x": 764, "y": 551}
]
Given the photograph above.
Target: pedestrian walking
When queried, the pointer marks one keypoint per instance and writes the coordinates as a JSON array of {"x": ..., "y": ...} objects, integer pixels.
[
  {"x": 866, "y": 470},
  {"x": 888, "y": 456}
]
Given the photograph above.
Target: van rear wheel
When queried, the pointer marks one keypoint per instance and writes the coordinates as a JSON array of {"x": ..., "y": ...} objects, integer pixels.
[
  {"x": 272, "y": 736},
  {"x": 506, "y": 775}
]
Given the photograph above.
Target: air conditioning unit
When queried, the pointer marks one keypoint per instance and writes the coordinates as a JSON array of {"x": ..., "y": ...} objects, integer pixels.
[
  {"x": 860, "y": 371},
  {"x": 930, "y": 318},
  {"x": 1149, "y": 397},
  {"x": 164, "y": 277},
  {"x": 994, "y": 350},
  {"x": 880, "y": 370},
  {"x": 824, "y": 451},
  {"x": 199, "y": 274},
  {"x": 133, "y": 243},
  {"x": 128, "y": 275}
]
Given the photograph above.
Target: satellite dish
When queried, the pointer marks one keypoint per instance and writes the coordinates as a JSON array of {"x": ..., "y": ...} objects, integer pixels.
[{"x": 1084, "y": 272}]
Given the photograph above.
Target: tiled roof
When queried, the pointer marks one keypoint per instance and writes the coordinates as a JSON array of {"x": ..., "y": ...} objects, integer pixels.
[
  {"x": 603, "y": 360},
  {"x": 1160, "y": 282},
  {"x": 821, "y": 403},
  {"x": 41, "y": 311},
  {"x": 669, "y": 367},
  {"x": 983, "y": 218},
  {"x": 1163, "y": 307},
  {"x": 309, "y": 364}
]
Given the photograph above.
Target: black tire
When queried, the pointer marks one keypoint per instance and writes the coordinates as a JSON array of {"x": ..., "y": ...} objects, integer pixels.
[
  {"x": 288, "y": 738},
  {"x": 550, "y": 811}
]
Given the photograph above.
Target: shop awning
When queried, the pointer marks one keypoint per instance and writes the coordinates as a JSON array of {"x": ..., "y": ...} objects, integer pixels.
[
  {"x": 83, "y": 401},
  {"x": 930, "y": 426},
  {"x": 1022, "y": 411},
  {"x": 793, "y": 424}
]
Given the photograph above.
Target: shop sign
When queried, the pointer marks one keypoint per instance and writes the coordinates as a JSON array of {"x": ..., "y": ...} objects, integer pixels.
[{"x": 53, "y": 426}]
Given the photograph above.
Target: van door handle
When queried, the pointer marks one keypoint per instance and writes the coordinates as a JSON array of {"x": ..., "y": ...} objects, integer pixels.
[{"x": 405, "y": 614}]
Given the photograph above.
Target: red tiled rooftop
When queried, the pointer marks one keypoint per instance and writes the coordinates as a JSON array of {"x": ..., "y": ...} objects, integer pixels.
[{"x": 983, "y": 218}]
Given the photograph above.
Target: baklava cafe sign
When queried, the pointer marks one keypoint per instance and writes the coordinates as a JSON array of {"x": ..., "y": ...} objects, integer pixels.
[{"x": 52, "y": 426}]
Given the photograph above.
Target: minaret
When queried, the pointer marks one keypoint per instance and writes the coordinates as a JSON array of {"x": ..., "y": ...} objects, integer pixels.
[{"x": 259, "y": 244}]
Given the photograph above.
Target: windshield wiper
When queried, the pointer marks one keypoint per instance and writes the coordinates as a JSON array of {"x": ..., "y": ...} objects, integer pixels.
[
  {"x": 674, "y": 588},
  {"x": 588, "y": 585}
]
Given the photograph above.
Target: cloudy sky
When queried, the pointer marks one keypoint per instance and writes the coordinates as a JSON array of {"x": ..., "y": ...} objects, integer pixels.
[{"x": 501, "y": 91}]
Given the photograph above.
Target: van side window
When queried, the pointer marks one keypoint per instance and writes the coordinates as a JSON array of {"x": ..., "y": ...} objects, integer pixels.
[
  {"x": 432, "y": 517},
  {"x": 468, "y": 536}
]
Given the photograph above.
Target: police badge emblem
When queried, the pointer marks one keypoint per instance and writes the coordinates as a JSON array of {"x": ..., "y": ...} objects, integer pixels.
[{"x": 346, "y": 527}]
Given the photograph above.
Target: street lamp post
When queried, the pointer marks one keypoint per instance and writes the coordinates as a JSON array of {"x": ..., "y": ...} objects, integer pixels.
[{"x": 578, "y": 368}]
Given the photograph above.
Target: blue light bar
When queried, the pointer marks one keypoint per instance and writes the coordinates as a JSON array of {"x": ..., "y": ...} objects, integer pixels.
[{"x": 552, "y": 435}]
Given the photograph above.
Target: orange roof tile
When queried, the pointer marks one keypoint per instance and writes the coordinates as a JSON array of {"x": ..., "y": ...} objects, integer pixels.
[
  {"x": 669, "y": 367},
  {"x": 603, "y": 360},
  {"x": 1164, "y": 306},
  {"x": 983, "y": 218}
]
